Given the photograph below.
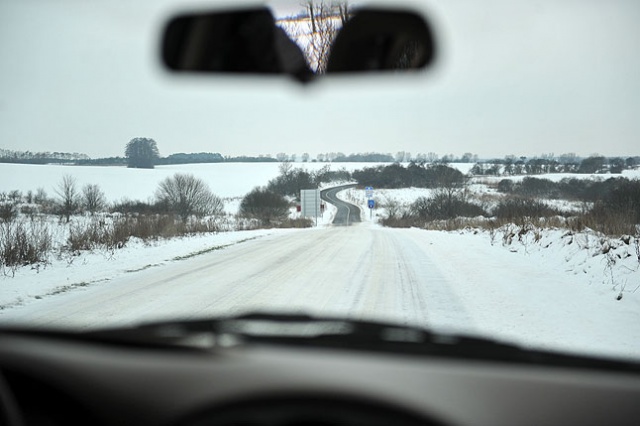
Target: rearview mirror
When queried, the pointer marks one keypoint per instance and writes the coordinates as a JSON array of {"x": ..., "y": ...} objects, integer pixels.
[{"x": 320, "y": 40}]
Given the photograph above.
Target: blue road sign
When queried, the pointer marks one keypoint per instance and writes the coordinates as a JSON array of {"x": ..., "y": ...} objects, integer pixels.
[
  {"x": 369, "y": 191},
  {"x": 372, "y": 204}
]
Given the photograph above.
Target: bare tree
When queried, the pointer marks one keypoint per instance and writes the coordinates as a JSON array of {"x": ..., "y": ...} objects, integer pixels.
[
  {"x": 403, "y": 157},
  {"x": 431, "y": 157},
  {"x": 324, "y": 31},
  {"x": 343, "y": 11},
  {"x": 393, "y": 206},
  {"x": 68, "y": 196},
  {"x": 509, "y": 161},
  {"x": 285, "y": 168},
  {"x": 40, "y": 197},
  {"x": 186, "y": 195},
  {"x": 315, "y": 29},
  {"x": 281, "y": 156},
  {"x": 93, "y": 198}
]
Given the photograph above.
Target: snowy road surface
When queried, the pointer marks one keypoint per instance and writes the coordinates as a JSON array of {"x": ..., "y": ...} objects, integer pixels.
[
  {"x": 444, "y": 280},
  {"x": 346, "y": 213},
  {"x": 359, "y": 271}
]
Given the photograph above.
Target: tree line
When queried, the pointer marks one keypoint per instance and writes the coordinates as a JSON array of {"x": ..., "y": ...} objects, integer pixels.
[
  {"x": 182, "y": 204},
  {"x": 567, "y": 163},
  {"x": 142, "y": 152}
]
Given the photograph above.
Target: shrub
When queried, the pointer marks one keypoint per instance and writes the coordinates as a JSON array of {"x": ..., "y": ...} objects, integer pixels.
[
  {"x": 186, "y": 195},
  {"x": 68, "y": 197},
  {"x": 405, "y": 220},
  {"x": 7, "y": 212},
  {"x": 23, "y": 243},
  {"x": 414, "y": 175},
  {"x": 114, "y": 234},
  {"x": 506, "y": 185},
  {"x": 98, "y": 233},
  {"x": 264, "y": 205},
  {"x": 516, "y": 209},
  {"x": 625, "y": 198},
  {"x": 93, "y": 198},
  {"x": 603, "y": 218},
  {"x": 444, "y": 205},
  {"x": 534, "y": 187},
  {"x": 291, "y": 181},
  {"x": 301, "y": 222},
  {"x": 129, "y": 207}
]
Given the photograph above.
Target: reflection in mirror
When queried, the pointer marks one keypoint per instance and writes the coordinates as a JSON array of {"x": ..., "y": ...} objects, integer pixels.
[
  {"x": 337, "y": 37},
  {"x": 311, "y": 39},
  {"x": 236, "y": 42},
  {"x": 314, "y": 28},
  {"x": 375, "y": 40}
]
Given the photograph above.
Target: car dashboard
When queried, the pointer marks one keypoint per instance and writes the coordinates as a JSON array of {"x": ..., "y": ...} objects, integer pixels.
[{"x": 52, "y": 379}]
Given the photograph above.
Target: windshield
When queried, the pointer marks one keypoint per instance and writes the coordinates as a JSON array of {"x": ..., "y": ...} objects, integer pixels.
[{"x": 496, "y": 193}]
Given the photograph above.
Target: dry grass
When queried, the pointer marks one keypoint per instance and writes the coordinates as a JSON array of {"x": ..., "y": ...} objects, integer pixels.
[{"x": 23, "y": 243}]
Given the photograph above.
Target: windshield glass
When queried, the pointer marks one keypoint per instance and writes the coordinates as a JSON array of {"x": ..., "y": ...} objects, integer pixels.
[{"x": 496, "y": 193}]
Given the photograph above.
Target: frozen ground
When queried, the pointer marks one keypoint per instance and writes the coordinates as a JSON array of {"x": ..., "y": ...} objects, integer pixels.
[
  {"x": 225, "y": 179},
  {"x": 553, "y": 297},
  {"x": 547, "y": 288}
]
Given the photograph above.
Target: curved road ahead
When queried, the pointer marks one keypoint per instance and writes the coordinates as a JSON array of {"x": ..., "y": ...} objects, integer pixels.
[{"x": 347, "y": 213}]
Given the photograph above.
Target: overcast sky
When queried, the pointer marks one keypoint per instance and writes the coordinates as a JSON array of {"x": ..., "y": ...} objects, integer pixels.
[{"x": 514, "y": 77}]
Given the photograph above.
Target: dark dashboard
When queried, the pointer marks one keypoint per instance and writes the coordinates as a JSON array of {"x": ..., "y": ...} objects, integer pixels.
[{"x": 57, "y": 379}]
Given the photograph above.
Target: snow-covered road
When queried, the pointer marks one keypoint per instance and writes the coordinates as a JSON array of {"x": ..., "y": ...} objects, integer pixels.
[
  {"x": 360, "y": 271},
  {"x": 444, "y": 280}
]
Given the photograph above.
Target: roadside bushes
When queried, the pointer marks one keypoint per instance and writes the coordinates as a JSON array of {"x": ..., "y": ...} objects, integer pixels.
[
  {"x": 603, "y": 218},
  {"x": 291, "y": 180},
  {"x": 404, "y": 220},
  {"x": 264, "y": 205},
  {"x": 417, "y": 175},
  {"x": 23, "y": 243},
  {"x": 135, "y": 208},
  {"x": 112, "y": 234},
  {"x": 97, "y": 233},
  {"x": 567, "y": 188},
  {"x": 517, "y": 209},
  {"x": 618, "y": 212},
  {"x": 626, "y": 198},
  {"x": 186, "y": 195},
  {"x": 444, "y": 206},
  {"x": 8, "y": 211}
]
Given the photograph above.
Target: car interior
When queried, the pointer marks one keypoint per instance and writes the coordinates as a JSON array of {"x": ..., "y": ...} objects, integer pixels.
[{"x": 266, "y": 369}]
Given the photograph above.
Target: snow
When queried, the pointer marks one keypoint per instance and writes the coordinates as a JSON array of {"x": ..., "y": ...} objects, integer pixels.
[
  {"x": 510, "y": 293},
  {"x": 552, "y": 294},
  {"x": 543, "y": 288},
  {"x": 548, "y": 288},
  {"x": 72, "y": 271},
  {"x": 140, "y": 184},
  {"x": 557, "y": 177}
]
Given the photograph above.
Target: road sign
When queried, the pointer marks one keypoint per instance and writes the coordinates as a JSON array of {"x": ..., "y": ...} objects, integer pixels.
[
  {"x": 368, "y": 190},
  {"x": 372, "y": 204},
  {"x": 310, "y": 203}
]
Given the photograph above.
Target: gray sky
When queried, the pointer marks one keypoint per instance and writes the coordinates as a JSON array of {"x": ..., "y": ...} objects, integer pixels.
[{"x": 514, "y": 77}]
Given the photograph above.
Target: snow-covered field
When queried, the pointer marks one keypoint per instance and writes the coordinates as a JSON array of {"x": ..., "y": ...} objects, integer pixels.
[
  {"x": 545, "y": 288},
  {"x": 557, "y": 177},
  {"x": 225, "y": 179}
]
